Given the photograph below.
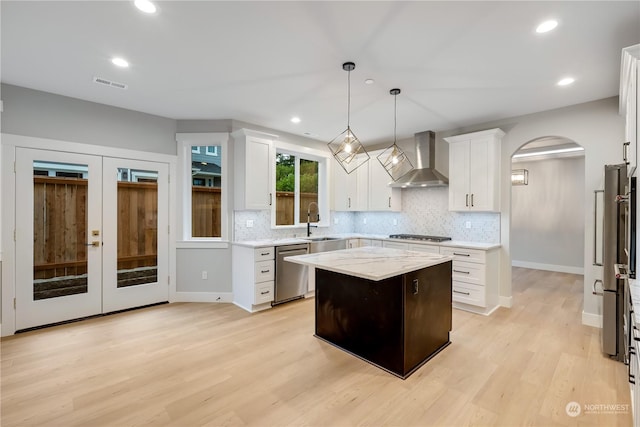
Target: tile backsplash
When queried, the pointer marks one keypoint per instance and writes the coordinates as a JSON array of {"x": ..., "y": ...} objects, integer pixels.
[{"x": 424, "y": 211}]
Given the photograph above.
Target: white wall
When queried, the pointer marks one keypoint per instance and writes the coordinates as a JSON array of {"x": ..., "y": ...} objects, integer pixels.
[
  {"x": 40, "y": 114},
  {"x": 547, "y": 215},
  {"x": 597, "y": 127}
]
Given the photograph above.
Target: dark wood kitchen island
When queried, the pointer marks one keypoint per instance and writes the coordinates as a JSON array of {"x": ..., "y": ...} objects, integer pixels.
[{"x": 389, "y": 307}]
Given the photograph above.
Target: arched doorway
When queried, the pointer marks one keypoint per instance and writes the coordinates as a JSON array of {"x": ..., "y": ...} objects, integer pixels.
[{"x": 547, "y": 205}]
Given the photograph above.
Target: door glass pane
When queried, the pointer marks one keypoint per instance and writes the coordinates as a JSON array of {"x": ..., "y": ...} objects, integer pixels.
[
  {"x": 137, "y": 227},
  {"x": 206, "y": 188},
  {"x": 59, "y": 229},
  {"x": 285, "y": 188},
  {"x": 309, "y": 191}
]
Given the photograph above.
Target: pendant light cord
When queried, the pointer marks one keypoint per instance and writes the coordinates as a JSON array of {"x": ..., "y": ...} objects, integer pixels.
[
  {"x": 395, "y": 116},
  {"x": 349, "y": 99}
]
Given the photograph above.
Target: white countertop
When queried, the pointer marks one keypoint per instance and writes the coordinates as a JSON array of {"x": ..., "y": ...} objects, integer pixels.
[
  {"x": 370, "y": 262},
  {"x": 289, "y": 241}
]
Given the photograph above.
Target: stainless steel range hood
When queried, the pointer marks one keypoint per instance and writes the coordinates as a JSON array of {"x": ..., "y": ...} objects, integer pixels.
[{"x": 425, "y": 174}]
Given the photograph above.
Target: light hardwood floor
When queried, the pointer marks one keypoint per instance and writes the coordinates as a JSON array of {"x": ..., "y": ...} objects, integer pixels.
[{"x": 189, "y": 364}]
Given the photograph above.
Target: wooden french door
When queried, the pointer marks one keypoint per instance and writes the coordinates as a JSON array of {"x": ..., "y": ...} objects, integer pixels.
[{"x": 91, "y": 235}]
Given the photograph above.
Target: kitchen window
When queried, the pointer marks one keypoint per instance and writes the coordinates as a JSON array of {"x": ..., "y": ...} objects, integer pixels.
[
  {"x": 301, "y": 183},
  {"x": 202, "y": 176}
]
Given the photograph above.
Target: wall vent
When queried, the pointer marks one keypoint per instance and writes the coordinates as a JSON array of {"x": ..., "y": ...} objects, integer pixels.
[{"x": 106, "y": 82}]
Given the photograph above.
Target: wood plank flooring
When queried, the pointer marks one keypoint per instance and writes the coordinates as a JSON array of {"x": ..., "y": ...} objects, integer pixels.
[{"x": 192, "y": 364}]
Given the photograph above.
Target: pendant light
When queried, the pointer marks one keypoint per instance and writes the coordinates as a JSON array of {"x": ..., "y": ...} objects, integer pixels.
[
  {"x": 393, "y": 159},
  {"x": 346, "y": 147}
]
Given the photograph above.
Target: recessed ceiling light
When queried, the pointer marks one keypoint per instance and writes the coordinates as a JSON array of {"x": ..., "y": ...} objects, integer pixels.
[
  {"x": 120, "y": 62},
  {"x": 295, "y": 119},
  {"x": 369, "y": 81},
  {"x": 566, "y": 81},
  {"x": 546, "y": 26},
  {"x": 145, "y": 6}
]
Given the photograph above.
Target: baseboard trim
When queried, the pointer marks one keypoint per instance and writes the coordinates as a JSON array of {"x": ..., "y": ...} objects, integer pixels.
[
  {"x": 590, "y": 319},
  {"x": 506, "y": 302},
  {"x": 203, "y": 297},
  {"x": 548, "y": 267}
]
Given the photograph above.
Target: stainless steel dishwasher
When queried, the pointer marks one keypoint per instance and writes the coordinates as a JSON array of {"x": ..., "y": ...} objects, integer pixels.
[{"x": 291, "y": 279}]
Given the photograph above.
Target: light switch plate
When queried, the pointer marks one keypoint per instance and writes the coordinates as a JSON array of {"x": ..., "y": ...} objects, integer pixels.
[
  {"x": 467, "y": 224},
  {"x": 249, "y": 223}
]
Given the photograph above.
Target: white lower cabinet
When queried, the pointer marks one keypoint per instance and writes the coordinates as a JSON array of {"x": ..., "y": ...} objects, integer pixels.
[
  {"x": 395, "y": 245},
  {"x": 253, "y": 275},
  {"x": 475, "y": 278},
  {"x": 432, "y": 249},
  {"x": 353, "y": 243}
]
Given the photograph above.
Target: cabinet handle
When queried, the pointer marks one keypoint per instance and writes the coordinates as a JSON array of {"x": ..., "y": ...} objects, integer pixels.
[
  {"x": 466, "y": 200},
  {"x": 460, "y": 271},
  {"x": 270, "y": 198},
  {"x": 632, "y": 379},
  {"x": 389, "y": 201},
  {"x": 463, "y": 293},
  {"x": 471, "y": 199},
  {"x": 455, "y": 253},
  {"x": 264, "y": 271},
  {"x": 264, "y": 253},
  {"x": 625, "y": 148},
  {"x": 264, "y": 292},
  {"x": 349, "y": 202}
]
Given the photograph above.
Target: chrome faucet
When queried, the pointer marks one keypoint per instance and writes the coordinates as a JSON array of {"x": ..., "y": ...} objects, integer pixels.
[{"x": 309, "y": 217}]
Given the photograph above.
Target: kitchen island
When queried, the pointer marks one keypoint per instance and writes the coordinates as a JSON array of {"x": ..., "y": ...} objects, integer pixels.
[{"x": 389, "y": 307}]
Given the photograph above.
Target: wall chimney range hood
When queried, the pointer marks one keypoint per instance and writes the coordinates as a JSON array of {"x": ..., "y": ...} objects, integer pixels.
[{"x": 425, "y": 174}]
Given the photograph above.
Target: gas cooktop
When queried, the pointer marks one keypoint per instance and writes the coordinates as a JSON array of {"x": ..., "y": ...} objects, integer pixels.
[{"x": 419, "y": 237}]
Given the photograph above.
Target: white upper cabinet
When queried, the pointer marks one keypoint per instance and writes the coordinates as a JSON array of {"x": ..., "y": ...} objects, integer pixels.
[
  {"x": 474, "y": 171},
  {"x": 381, "y": 196},
  {"x": 629, "y": 85},
  {"x": 350, "y": 190},
  {"x": 254, "y": 158}
]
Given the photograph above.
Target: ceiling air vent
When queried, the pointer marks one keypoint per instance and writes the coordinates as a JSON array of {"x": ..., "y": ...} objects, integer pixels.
[{"x": 102, "y": 81}]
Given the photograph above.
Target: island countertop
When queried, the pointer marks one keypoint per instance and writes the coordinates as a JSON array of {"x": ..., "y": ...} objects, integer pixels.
[{"x": 371, "y": 263}]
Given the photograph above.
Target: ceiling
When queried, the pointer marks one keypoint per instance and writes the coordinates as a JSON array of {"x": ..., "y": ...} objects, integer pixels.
[{"x": 457, "y": 63}]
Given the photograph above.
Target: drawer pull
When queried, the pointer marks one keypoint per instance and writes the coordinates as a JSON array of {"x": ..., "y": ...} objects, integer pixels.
[
  {"x": 264, "y": 271},
  {"x": 456, "y": 253},
  {"x": 264, "y": 292},
  {"x": 460, "y": 271},
  {"x": 264, "y": 253},
  {"x": 463, "y": 293},
  {"x": 632, "y": 379}
]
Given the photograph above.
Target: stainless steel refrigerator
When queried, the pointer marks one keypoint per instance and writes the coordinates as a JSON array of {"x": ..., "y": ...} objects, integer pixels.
[{"x": 614, "y": 241}]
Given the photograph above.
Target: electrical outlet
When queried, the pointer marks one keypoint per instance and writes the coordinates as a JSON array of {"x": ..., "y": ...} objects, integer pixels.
[
  {"x": 364, "y": 220},
  {"x": 249, "y": 223},
  {"x": 204, "y": 275},
  {"x": 467, "y": 224}
]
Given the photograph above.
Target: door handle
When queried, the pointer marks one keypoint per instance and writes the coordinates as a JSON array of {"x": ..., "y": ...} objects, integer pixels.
[{"x": 95, "y": 244}]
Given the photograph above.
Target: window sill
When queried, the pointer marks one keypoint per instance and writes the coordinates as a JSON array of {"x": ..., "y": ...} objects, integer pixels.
[{"x": 202, "y": 244}]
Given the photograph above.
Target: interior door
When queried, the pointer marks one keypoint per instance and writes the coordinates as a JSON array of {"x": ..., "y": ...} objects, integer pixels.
[
  {"x": 58, "y": 236},
  {"x": 136, "y": 246}
]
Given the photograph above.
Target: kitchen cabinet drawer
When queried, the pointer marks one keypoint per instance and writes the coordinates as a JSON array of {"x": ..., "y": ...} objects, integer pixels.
[
  {"x": 468, "y": 272},
  {"x": 424, "y": 248},
  {"x": 467, "y": 255},
  {"x": 376, "y": 243},
  {"x": 264, "y": 292},
  {"x": 262, "y": 254},
  {"x": 468, "y": 294},
  {"x": 396, "y": 245},
  {"x": 265, "y": 271}
]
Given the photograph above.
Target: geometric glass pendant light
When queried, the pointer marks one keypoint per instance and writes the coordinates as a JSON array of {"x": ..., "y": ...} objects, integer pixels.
[
  {"x": 393, "y": 159},
  {"x": 346, "y": 147}
]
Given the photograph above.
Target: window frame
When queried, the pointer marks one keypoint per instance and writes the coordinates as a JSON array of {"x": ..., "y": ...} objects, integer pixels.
[
  {"x": 185, "y": 143},
  {"x": 214, "y": 153},
  {"x": 306, "y": 153}
]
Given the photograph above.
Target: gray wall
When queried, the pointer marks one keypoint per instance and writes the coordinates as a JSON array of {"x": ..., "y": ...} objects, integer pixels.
[
  {"x": 547, "y": 216},
  {"x": 190, "y": 264},
  {"x": 45, "y": 115}
]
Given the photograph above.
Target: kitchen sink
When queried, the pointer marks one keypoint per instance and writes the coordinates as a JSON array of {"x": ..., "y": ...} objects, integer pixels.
[{"x": 326, "y": 244}]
